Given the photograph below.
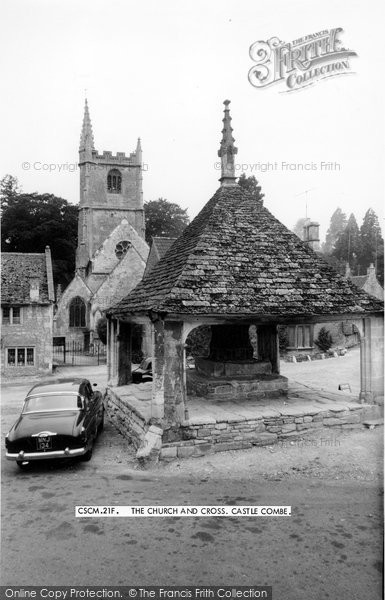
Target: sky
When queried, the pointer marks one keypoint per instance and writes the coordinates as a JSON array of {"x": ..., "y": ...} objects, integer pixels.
[{"x": 161, "y": 69}]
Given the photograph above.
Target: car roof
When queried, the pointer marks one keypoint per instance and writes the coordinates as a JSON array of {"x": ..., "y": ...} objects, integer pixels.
[{"x": 57, "y": 385}]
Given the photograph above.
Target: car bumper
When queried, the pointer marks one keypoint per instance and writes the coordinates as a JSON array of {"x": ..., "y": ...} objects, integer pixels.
[{"x": 27, "y": 456}]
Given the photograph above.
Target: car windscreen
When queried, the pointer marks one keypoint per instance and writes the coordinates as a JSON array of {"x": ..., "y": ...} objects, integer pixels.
[{"x": 54, "y": 402}]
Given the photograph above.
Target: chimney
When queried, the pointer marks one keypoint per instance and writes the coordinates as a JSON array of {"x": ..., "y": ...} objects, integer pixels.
[
  {"x": 371, "y": 271},
  {"x": 348, "y": 272},
  {"x": 311, "y": 234}
]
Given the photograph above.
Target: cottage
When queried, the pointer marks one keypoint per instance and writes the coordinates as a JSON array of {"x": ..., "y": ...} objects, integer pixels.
[
  {"x": 27, "y": 299},
  {"x": 369, "y": 282},
  {"x": 234, "y": 268}
]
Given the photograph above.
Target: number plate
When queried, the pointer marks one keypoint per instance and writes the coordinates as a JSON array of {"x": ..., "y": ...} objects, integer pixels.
[{"x": 44, "y": 442}]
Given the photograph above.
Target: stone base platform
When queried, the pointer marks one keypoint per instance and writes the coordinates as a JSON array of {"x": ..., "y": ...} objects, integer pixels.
[
  {"x": 264, "y": 385},
  {"x": 217, "y": 427}
]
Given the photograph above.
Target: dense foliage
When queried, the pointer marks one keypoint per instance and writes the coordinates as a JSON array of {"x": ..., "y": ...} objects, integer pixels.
[
  {"x": 354, "y": 246},
  {"x": 324, "y": 340},
  {"x": 32, "y": 221},
  {"x": 164, "y": 219},
  {"x": 251, "y": 185}
]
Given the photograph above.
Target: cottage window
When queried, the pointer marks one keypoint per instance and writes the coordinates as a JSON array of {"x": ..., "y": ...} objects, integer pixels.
[
  {"x": 300, "y": 336},
  {"x": 21, "y": 357},
  {"x": 77, "y": 313},
  {"x": 114, "y": 181},
  {"x": 11, "y": 315}
]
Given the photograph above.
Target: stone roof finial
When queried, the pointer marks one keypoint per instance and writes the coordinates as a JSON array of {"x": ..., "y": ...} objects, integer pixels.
[
  {"x": 227, "y": 150},
  {"x": 87, "y": 137}
]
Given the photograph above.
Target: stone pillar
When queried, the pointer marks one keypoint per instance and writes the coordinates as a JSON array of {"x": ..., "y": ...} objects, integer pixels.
[
  {"x": 174, "y": 388},
  {"x": 112, "y": 351},
  {"x": 268, "y": 345},
  {"x": 147, "y": 342},
  {"x": 108, "y": 349},
  {"x": 372, "y": 360},
  {"x": 124, "y": 353},
  {"x": 157, "y": 402}
]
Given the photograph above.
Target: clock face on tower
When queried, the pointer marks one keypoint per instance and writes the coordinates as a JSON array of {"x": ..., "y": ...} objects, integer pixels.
[{"x": 122, "y": 248}]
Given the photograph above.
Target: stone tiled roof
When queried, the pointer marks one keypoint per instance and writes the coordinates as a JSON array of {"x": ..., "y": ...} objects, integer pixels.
[
  {"x": 158, "y": 249},
  {"x": 236, "y": 258},
  {"x": 17, "y": 270}
]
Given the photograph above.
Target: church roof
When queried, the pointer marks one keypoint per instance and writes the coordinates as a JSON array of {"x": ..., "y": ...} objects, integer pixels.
[
  {"x": 17, "y": 271},
  {"x": 235, "y": 258},
  {"x": 158, "y": 248}
]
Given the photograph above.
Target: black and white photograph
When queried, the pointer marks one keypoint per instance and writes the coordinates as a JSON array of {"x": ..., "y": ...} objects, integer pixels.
[{"x": 192, "y": 297}]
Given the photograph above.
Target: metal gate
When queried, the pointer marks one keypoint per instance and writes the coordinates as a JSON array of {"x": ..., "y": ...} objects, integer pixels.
[{"x": 78, "y": 353}]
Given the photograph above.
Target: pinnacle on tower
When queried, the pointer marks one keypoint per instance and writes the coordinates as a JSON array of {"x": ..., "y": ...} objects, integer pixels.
[
  {"x": 138, "y": 151},
  {"x": 227, "y": 150},
  {"x": 87, "y": 137}
]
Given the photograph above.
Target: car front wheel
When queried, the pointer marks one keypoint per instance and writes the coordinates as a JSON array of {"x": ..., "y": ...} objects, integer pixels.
[
  {"x": 22, "y": 464},
  {"x": 88, "y": 455},
  {"x": 101, "y": 424}
]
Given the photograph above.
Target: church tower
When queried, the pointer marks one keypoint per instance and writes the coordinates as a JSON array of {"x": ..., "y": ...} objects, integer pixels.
[{"x": 110, "y": 191}]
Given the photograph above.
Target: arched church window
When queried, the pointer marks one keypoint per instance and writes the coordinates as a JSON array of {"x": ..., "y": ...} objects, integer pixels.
[
  {"x": 121, "y": 248},
  {"x": 114, "y": 181},
  {"x": 77, "y": 312}
]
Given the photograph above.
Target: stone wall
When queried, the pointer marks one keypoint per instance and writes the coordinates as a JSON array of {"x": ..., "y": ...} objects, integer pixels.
[
  {"x": 126, "y": 419},
  {"x": 208, "y": 436},
  {"x": 34, "y": 331}
]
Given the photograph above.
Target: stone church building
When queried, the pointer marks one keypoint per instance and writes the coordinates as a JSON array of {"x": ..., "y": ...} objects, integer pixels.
[{"x": 112, "y": 253}]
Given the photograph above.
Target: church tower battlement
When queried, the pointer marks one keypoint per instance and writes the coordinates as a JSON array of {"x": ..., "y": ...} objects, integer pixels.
[{"x": 110, "y": 191}]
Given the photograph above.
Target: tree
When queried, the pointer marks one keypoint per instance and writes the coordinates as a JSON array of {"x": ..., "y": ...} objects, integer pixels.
[
  {"x": 101, "y": 329},
  {"x": 337, "y": 225},
  {"x": 30, "y": 222},
  {"x": 324, "y": 340},
  {"x": 372, "y": 244},
  {"x": 251, "y": 185},
  {"x": 9, "y": 187},
  {"x": 164, "y": 218},
  {"x": 347, "y": 248},
  {"x": 298, "y": 227}
]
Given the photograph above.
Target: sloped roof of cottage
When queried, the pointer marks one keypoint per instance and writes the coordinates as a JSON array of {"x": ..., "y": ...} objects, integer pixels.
[
  {"x": 236, "y": 258},
  {"x": 17, "y": 271}
]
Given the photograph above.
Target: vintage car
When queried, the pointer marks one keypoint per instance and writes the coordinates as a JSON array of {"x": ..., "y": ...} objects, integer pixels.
[
  {"x": 59, "y": 419},
  {"x": 143, "y": 372}
]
